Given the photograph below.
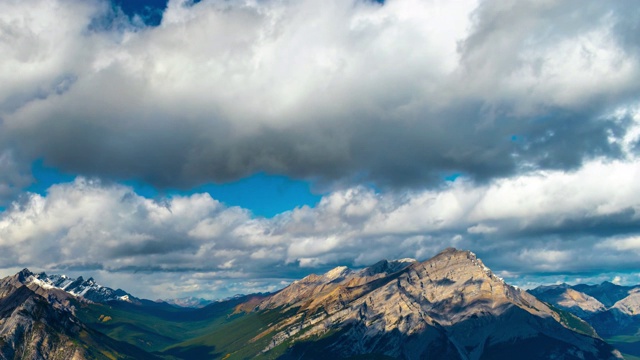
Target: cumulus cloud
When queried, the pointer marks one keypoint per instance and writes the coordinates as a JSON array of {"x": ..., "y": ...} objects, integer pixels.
[
  {"x": 401, "y": 94},
  {"x": 541, "y": 223},
  {"x": 622, "y": 243},
  {"x": 532, "y": 106}
]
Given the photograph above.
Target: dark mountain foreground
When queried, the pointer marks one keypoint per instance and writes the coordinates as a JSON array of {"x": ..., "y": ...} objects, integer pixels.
[
  {"x": 33, "y": 326},
  {"x": 448, "y": 307}
]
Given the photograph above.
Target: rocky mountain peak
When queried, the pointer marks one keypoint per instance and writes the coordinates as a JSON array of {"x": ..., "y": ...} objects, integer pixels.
[
  {"x": 450, "y": 296},
  {"x": 334, "y": 282},
  {"x": 451, "y": 306},
  {"x": 64, "y": 286},
  {"x": 35, "y": 324},
  {"x": 24, "y": 274},
  {"x": 337, "y": 273},
  {"x": 386, "y": 267},
  {"x": 460, "y": 264},
  {"x": 451, "y": 251}
]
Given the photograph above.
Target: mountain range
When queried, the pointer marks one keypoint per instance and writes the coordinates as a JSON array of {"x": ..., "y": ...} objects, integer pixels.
[
  {"x": 189, "y": 302},
  {"x": 37, "y": 321},
  {"x": 448, "y": 307},
  {"x": 612, "y": 310}
]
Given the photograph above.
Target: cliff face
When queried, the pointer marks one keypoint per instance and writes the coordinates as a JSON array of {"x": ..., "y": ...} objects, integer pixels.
[
  {"x": 451, "y": 305},
  {"x": 30, "y": 328},
  {"x": 38, "y": 323}
]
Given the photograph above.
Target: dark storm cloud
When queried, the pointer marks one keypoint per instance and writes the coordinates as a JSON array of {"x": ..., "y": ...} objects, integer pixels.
[
  {"x": 217, "y": 93},
  {"x": 14, "y": 176},
  {"x": 620, "y": 223}
]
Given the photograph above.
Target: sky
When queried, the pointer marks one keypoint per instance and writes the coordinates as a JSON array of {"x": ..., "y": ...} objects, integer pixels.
[{"x": 216, "y": 147}]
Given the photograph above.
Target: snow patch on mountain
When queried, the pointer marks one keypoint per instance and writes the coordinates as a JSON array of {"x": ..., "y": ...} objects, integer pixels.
[{"x": 87, "y": 289}]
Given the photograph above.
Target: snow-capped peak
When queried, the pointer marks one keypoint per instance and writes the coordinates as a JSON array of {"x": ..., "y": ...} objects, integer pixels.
[{"x": 87, "y": 289}]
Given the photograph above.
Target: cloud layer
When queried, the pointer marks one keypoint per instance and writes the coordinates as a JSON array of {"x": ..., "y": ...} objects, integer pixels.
[
  {"x": 400, "y": 94},
  {"x": 542, "y": 223},
  {"x": 531, "y": 107}
]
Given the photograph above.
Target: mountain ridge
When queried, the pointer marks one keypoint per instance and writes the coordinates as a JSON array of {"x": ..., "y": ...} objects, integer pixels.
[
  {"x": 434, "y": 298},
  {"x": 612, "y": 310},
  {"x": 33, "y": 326},
  {"x": 449, "y": 306},
  {"x": 87, "y": 289}
]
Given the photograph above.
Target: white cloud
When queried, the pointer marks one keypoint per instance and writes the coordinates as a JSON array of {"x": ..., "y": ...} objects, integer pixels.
[
  {"x": 339, "y": 91},
  {"x": 531, "y": 100},
  {"x": 622, "y": 244},
  {"x": 546, "y": 259},
  {"x": 482, "y": 229},
  {"x": 541, "y": 222}
]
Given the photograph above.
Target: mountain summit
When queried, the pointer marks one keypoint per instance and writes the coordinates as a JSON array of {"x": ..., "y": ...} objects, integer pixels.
[
  {"x": 448, "y": 307},
  {"x": 451, "y": 306},
  {"x": 87, "y": 289},
  {"x": 38, "y": 322}
]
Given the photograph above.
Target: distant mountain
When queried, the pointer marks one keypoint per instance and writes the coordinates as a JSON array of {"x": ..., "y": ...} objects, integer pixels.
[
  {"x": 449, "y": 307},
  {"x": 197, "y": 303},
  {"x": 567, "y": 298},
  {"x": 188, "y": 302},
  {"x": 612, "y": 310},
  {"x": 607, "y": 293}
]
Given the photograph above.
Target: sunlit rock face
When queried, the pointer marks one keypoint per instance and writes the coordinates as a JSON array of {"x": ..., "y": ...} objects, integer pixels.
[{"x": 451, "y": 305}]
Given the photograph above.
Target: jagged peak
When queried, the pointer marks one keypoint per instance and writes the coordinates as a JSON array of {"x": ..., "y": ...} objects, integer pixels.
[
  {"x": 552, "y": 287},
  {"x": 24, "y": 274},
  {"x": 607, "y": 283},
  {"x": 464, "y": 258},
  {"x": 377, "y": 268},
  {"x": 88, "y": 289},
  {"x": 337, "y": 273},
  {"x": 451, "y": 251},
  {"x": 387, "y": 266}
]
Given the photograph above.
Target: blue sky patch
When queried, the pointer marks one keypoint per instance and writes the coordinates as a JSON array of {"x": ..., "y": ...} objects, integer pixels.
[
  {"x": 150, "y": 11},
  {"x": 265, "y": 195}
]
